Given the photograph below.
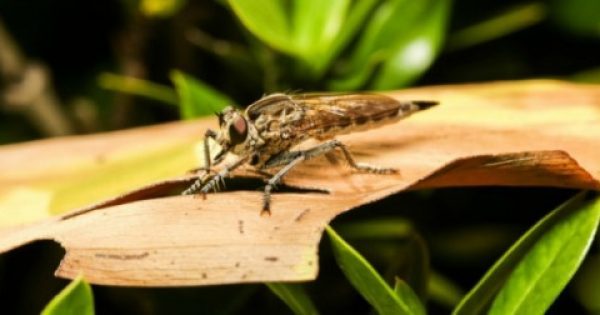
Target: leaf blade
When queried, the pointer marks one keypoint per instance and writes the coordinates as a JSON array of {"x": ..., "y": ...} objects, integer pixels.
[
  {"x": 366, "y": 279},
  {"x": 295, "y": 297},
  {"x": 193, "y": 93},
  {"x": 76, "y": 299},
  {"x": 548, "y": 267},
  {"x": 483, "y": 293}
]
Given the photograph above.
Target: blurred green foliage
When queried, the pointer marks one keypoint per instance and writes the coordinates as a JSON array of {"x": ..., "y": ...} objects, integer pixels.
[{"x": 111, "y": 65}]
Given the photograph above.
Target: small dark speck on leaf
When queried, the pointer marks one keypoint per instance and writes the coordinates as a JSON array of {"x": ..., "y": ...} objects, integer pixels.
[
  {"x": 204, "y": 276},
  {"x": 301, "y": 215},
  {"x": 271, "y": 258},
  {"x": 241, "y": 226}
]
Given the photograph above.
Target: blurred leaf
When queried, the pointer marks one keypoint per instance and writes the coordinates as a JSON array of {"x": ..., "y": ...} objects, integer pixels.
[
  {"x": 586, "y": 284},
  {"x": 323, "y": 28},
  {"x": 74, "y": 299},
  {"x": 355, "y": 19},
  {"x": 160, "y": 8},
  {"x": 402, "y": 37},
  {"x": 505, "y": 23},
  {"x": 267, "y": 20},
  {"x": 295, "y": 297},
  {"x": 197, "y": 99},
  {"x": 578, "y": 16},
  {"x": 410, "y": 258},
  {"x": 138, "y": 87},
  {"x": 312, "y": 31},
  {"x": 367, "y": 281},
  {"x": 443, "y": 291},
  {"x": 378, "y": 229},
  {"x": 587, "y": 76},
  {"x": 405, "y": 293},
  {"x": 531, "y": 274},
  {"x": 415, "y": 52}
]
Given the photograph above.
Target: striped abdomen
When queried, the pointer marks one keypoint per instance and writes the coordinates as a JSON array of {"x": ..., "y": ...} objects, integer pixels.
[{"x": 329, "y": 116}]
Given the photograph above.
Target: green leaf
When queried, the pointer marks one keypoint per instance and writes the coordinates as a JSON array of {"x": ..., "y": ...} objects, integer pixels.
[
  {"x": 401, "y": 40},
  {"x": 160, "y": 8},
  {"x": 405, "y": 293},
  {"x": 196, "y": 98},
  {"x": 415, "y": 52},
  {"x": 531, "y": 274},
  {"x": 443, "y": 291},
  {"x": 75, "y": 299},
  {"x": 312, "y": 31},
  {"x": 410, "y": 254},
  {"x": 294, "y": 296},
  {"x": 366, "y": 279},
  {"x": 267, "y": 20},
  {"x": 505, "y": 23},
  {"x": 135, "y": 86},
  {"x": 581, "y": 17}
]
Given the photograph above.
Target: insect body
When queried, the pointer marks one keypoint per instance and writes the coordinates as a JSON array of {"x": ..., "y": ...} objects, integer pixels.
[{"x": 265, "y": 133}]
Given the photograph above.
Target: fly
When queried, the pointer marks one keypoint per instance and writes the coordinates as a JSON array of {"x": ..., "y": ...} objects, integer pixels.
[{"x": 264, "y": 134}]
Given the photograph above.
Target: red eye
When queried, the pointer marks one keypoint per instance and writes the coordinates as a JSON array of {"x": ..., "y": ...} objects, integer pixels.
[{"x": 238, "y": 131}]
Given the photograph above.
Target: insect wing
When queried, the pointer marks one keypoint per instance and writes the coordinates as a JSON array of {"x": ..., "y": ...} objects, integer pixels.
[{"x": 324, "y": 112}]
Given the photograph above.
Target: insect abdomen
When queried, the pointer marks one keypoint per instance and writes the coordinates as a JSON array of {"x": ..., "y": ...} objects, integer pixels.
[{"x": 360, "y": 119}]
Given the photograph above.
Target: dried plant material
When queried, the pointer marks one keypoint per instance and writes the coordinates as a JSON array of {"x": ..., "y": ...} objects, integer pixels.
[{"x": 532, "y": 133}]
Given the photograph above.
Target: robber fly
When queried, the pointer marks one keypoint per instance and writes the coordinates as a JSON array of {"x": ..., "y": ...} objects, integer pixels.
[{"x": 265, "y": 133}]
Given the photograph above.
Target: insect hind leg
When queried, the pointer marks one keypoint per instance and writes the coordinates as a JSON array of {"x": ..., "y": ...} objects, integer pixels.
[
  {"x": 361, "y": 167},
  {"x": 293, "y": 158}
]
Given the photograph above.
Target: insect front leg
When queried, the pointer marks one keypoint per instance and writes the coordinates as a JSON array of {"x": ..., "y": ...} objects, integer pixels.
[
  {"x": 205, "y": 184},
  {"x": 207, "y": 160}
]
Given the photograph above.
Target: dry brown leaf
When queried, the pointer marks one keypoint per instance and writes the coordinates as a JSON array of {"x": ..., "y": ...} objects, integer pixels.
[{"x": 532, "y": 133}]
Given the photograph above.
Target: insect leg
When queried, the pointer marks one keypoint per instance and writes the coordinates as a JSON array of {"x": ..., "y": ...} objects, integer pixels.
[
  {"x": 325, "y": 148},
  {"x": 273, "y": 181},
  {"x": 205, "y": 185},
  {"x": 207, "y": 162},
  {"x": 209, "y": 134},
  {"x": 360, "y": 166}
]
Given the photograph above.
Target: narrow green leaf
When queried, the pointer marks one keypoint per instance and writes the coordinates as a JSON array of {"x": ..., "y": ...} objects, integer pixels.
[
  {"x": 75, "y": 299},
  {"x": 505, "y": 23},
  {"x": 135, "y": 86},
  {"x": 396, "y": 228},
  {"x": 160, "y": 8},
  {"x": 539, "y": 264},
  {"x": 267, "y": 20},
  {"x": 366, "y": 279},
  {"x": 549, "y": 265},
  {"x": 405, "y": 293},
  {"x": 295, "y": 297},
  {"x": 410, "y": 255},
  {"x": 443, "y": 291},
  {"x": 196, "y": 98}
]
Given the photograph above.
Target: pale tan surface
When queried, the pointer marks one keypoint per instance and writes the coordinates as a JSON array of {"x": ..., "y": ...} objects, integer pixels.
[{"x": 540, "y": 133}]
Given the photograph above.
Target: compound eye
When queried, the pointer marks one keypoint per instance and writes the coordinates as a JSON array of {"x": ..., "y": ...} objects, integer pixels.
[{"x": 238, "y": 130}]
